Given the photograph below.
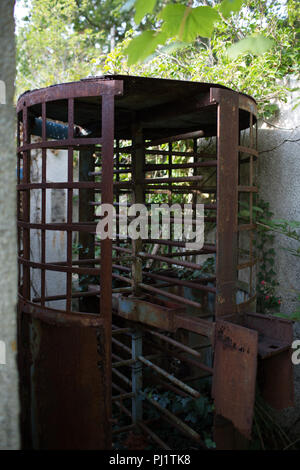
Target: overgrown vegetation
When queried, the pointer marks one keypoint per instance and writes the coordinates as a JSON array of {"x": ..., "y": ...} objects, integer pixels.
[{"x": 65, "y": 40}]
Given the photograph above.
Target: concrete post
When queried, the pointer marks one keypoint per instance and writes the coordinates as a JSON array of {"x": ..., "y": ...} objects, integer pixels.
[{"x": 9, "y": 404}]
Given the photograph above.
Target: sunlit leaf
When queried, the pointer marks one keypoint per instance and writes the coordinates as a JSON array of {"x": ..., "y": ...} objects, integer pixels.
[
  {"x": 187, "y": 23},
  {"x": 256, "y": 45},
  {"x": 143, "y": 7},
  {"x": 229, "y": 6},
  {"x": 143, "y": 45}
]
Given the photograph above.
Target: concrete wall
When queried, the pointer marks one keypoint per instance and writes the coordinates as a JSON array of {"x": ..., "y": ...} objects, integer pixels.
[
  {"x": 279, "y": 183},
  {"x": 9, "y": 407}
]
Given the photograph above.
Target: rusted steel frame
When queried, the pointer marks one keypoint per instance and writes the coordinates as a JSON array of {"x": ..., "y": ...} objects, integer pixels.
[
  {"x": 120, "y": 331},
  {"x": 176, "y": 421},
  {"x": 125, "y": 362},
  {"x": 123, "y": 396},
  {"x": 197, "y": 325},
  {"x": 247, "y": 104},
  {"x": 207, "y": 247},
  {"x": 176, "y": 108},
  {"x": 116, "y": 172},
  {"x": 177, "y": 298},
  {"x": 181, "y": 189},
  {"x": 71, "y": 185},
  {"x": 163, "y": 384},
  {"x": 60, "y": 317},
  {"x": 43, "y": 208},
  {"x": 251, "y": 206},
  {"x": 138, "y": 197},
  {"x": 247, "y": 189},
  {"x": 227, "y": 199},
  {"x": 180, "y": 355},
  {"x": 178, "y": 166},
  {"x": 248, "y": 150},
  {"x": 175, "y": 343},
  {"x": 192, "y": 392},
  {"x": 70, "y": 203},
  {"x": 106, "y": 246},
  {"x": 122, "y": 278},
  {"x": 173, "y": 138},
  {"x": 26, "y": 207},
  {"x": 154, "y": 436},
  {"x": 244, "y": 227},
  {"x": 76, "y": 295},
  {"x": 62, "y": 144},
  {"x": 248, "y": 264},
  {"x": 188, "y": 253},
  {"x": 59, "y": 268},
  {"x": 179, "y": 179},
  {"x": 84, "y": 88},
  {"x": 85, "y": 213},
  {"x": 181, "y": 282},
  {"x": 64, "y": 226},
  {"x": 167, "y": 260}
]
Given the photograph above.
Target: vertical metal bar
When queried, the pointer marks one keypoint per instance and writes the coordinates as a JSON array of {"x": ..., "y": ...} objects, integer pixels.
[
  {"x": 137, "y": 376},
  {"x": 70, "y": 202},
  {"x": 43, "y": 215},
  {"x": 251, "y": 207},
  {"x": 26, "y": 205},
  {"x": 86, "y": 214},
  {"x": 106, "y": 252},
  {"x": 138, "y": 198},
  {"x": 227, "y": 200}
]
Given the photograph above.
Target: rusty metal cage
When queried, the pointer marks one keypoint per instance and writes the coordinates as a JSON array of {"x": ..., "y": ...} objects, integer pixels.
[{"x": 127, "y": 136}]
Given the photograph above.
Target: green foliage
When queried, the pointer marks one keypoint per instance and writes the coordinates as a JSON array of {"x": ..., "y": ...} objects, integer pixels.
[
  {"x": 197, "y": 413},
  {"x": 143, "y": 45},
  {"x": 142, "y": 8},
  {"x": 257, "y": 44},
  {"x": 291, "y": 230},
  {"x": 186, "y": 23},
  {"x": 267, "y": 300},
  {"x": 229, "y": 6}
]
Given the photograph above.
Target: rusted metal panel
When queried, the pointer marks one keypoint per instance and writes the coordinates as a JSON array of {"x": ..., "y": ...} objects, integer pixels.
[
  {"x": 275, "y": 371},
  {"x": 64, "y": 387},
  {"x": 235, "y": 365}
]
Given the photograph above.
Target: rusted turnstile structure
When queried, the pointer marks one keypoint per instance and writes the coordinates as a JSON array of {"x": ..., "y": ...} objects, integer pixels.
[{"x": 129, "y": 135}]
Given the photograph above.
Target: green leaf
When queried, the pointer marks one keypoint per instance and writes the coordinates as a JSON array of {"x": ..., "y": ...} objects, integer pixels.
[
  {"x": 143, "y": 7},
  {"x": 143, "y": 45},
  {"x": 187, "y": 23},
  {"x": 256, "y": 45},
  {"x": 228, "y": 6}
]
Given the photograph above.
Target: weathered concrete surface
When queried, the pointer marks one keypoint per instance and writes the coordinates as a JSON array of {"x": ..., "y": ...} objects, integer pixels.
[
  {"x": 9, "y": 406},
  {"x": 279, "y": 184}
]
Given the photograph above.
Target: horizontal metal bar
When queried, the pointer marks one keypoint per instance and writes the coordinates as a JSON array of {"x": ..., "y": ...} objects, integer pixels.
[
  {"x": 179, "y": 179},
  {"x": 181, "y": 282},
  {"x": 123, "y": 396},
  {"x": 194, "y": 393},
  {"x": 120, "y": 331},
  {"x": 177, "y": 298},
  {"x": 126, "y": 362},
  {"x": 178, "y": 166}
]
